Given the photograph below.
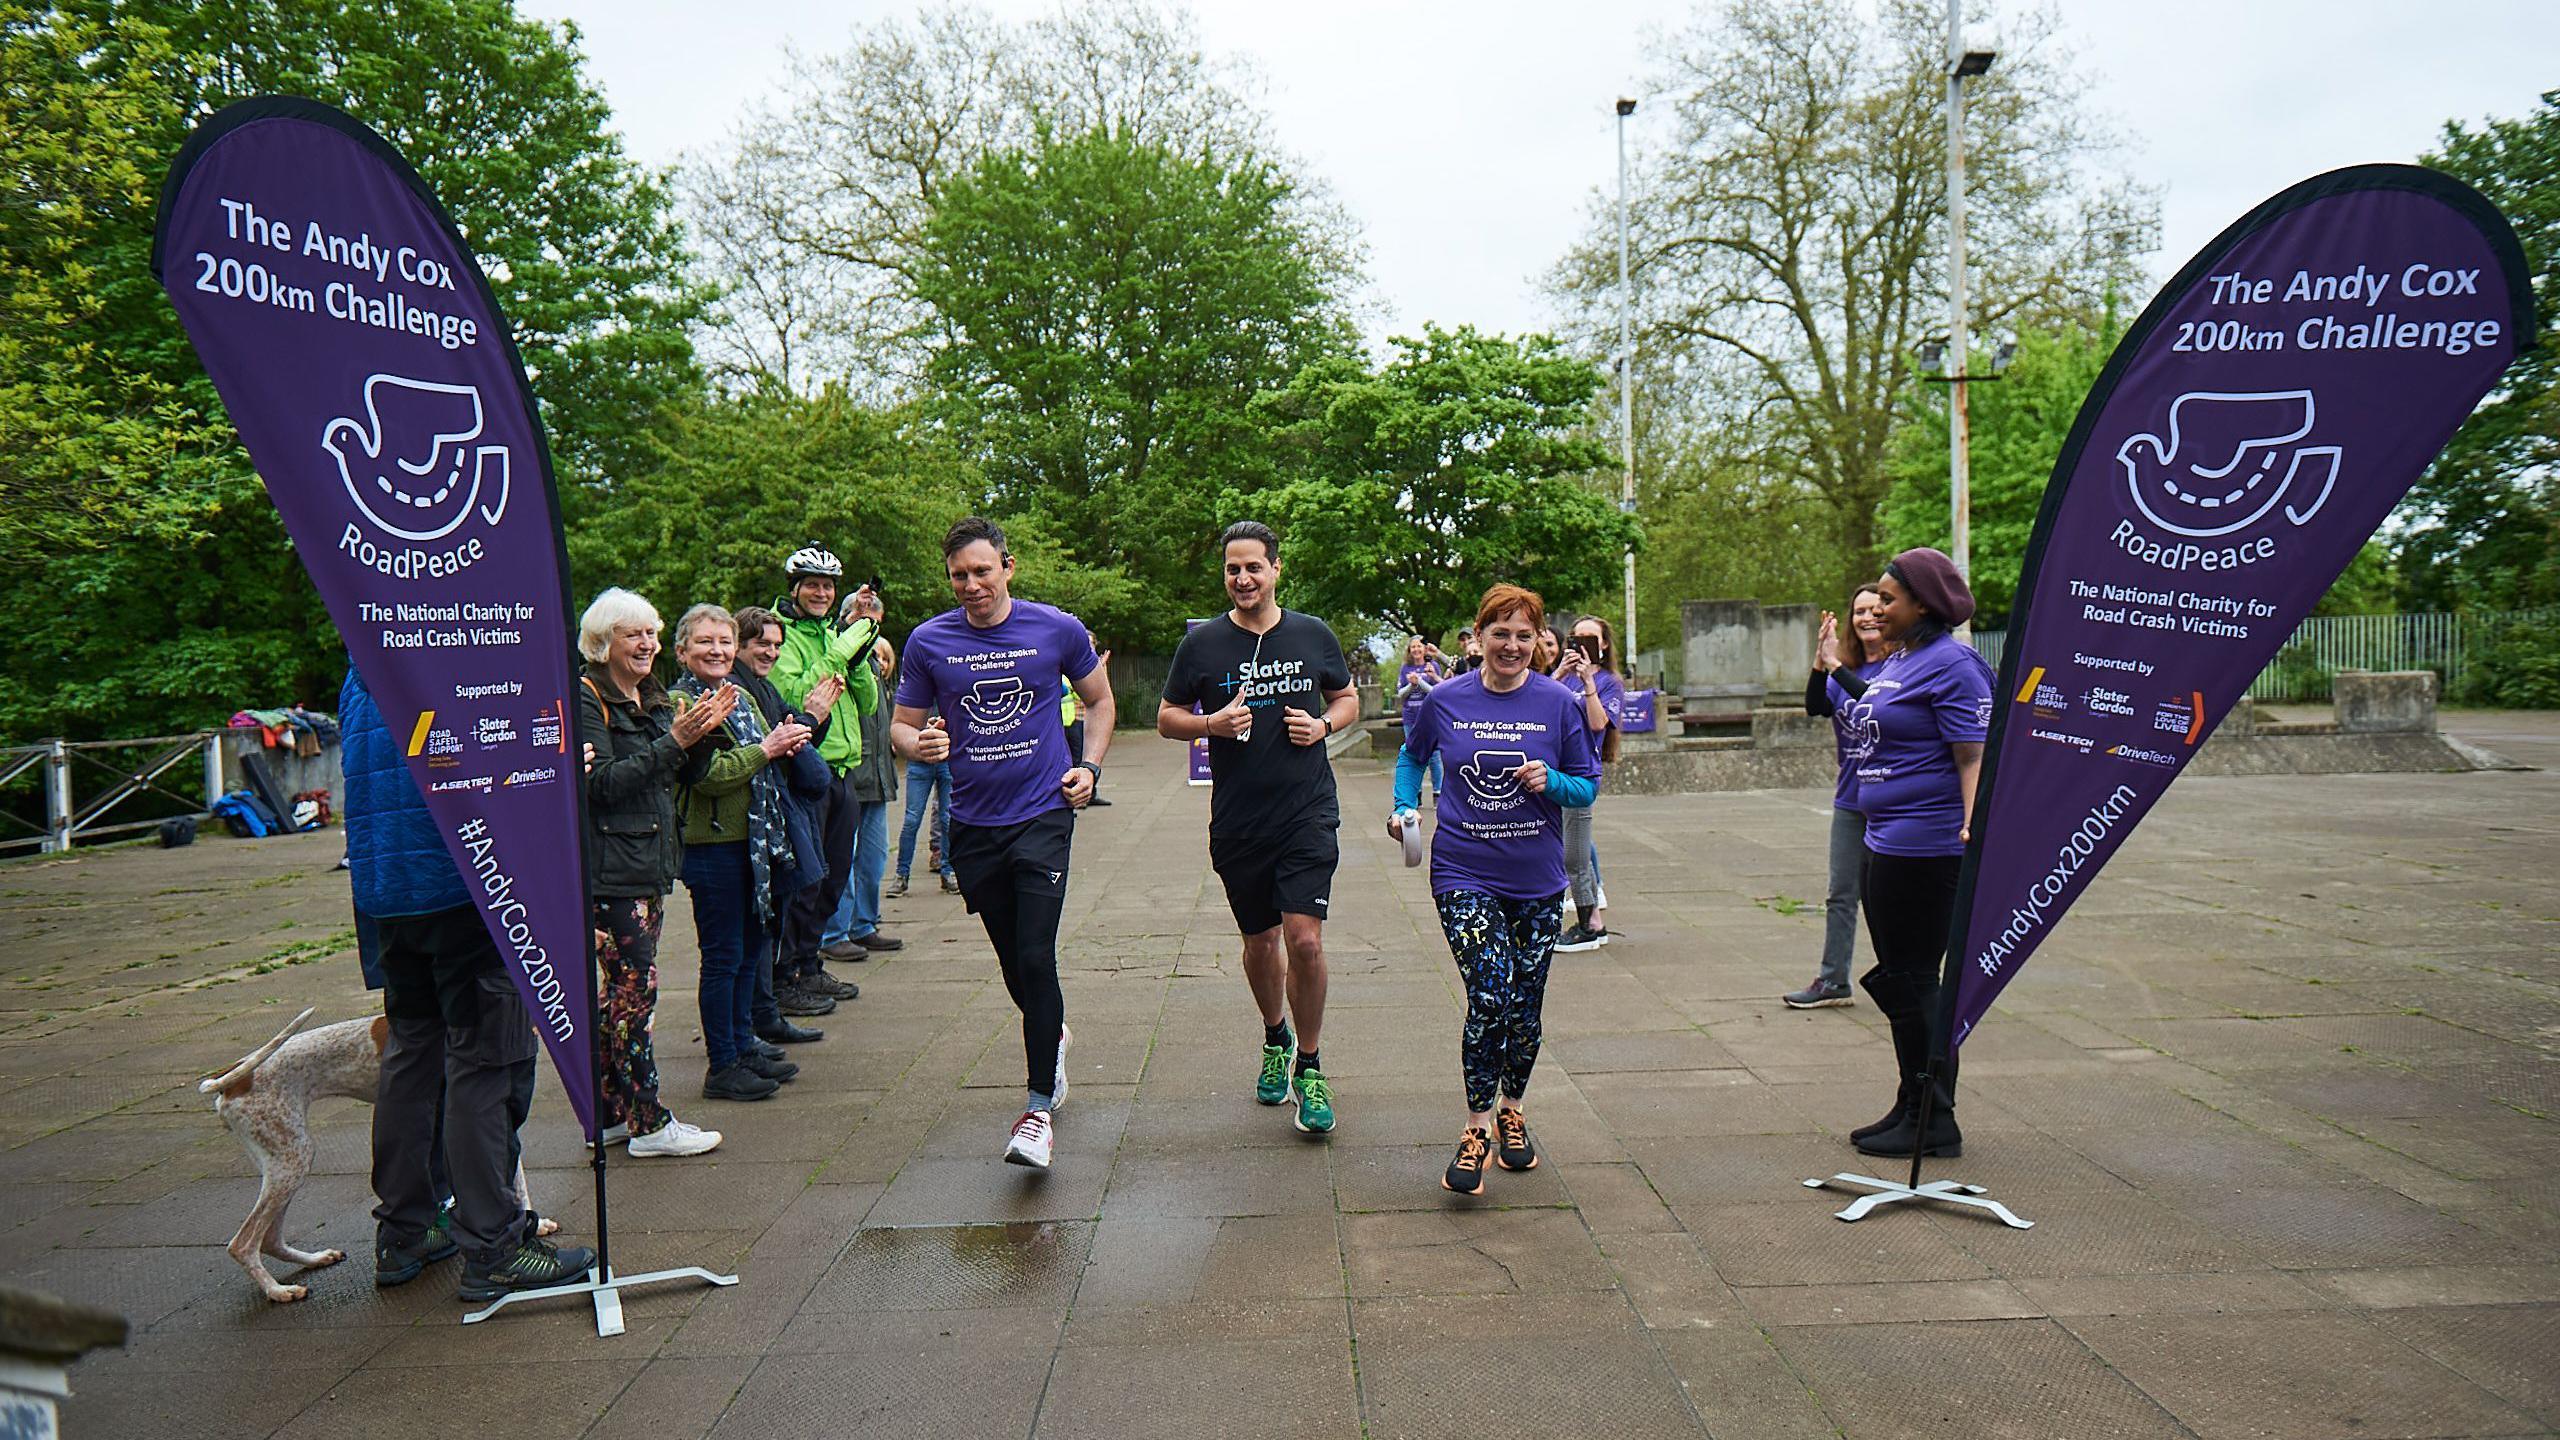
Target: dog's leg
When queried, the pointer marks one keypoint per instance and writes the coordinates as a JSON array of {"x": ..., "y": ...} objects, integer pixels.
[
  {"x": 257, "y": 1233},
  {"x": 544, "y": 1225}
]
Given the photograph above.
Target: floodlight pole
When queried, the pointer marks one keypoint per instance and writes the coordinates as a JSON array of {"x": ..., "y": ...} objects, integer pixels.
[
  {"x": 1626, "y": 387},
  {"x": 1959, "y": 341}
]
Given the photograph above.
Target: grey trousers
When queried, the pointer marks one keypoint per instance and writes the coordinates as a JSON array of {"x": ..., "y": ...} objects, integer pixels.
[
  {"x": 1579, "y": 862},
  {"x": 481, "y": 1069},
  {"x": 1840, "y": 902}
]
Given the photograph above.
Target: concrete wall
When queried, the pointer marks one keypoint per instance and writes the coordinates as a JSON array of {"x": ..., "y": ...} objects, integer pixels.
[{"x": 1721, "y": 661}]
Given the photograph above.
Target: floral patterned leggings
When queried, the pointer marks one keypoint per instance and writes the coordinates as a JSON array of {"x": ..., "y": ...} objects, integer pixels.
[
  {"x": 628, "y": 954},
  {"x": 1502, "y": 948}
]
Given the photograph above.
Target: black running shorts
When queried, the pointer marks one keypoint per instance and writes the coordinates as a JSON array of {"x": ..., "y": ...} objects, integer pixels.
[{"x": 1268, "y": 876}]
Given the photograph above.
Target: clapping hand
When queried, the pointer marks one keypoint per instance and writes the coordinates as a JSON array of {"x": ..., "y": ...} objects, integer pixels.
[
  {"x": 1826, "y": 646},
  {"x": 783, "y": 739},
  {"x": 704, "y": 716},
  {"x": 822, "y": 697},
  {"x": 1304, "y": 729}
]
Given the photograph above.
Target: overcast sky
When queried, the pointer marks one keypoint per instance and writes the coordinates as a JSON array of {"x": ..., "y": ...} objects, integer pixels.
[{"x": 1466, "y": 136}]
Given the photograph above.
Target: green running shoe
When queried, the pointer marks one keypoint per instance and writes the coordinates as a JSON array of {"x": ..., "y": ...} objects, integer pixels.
[
  {"x": 1315, "y": 1103},
  {"x": 1273, "y": 1087}
]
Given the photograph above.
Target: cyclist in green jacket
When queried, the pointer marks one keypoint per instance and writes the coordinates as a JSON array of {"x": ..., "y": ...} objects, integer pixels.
[{"x": 819, "y": 641}]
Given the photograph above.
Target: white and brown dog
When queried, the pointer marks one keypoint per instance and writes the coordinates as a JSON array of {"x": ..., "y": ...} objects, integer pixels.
[{"x": 266, "y": 1102}]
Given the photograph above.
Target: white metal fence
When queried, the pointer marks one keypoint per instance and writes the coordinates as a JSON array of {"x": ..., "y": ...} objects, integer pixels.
[{"x": 123, "y": 769}]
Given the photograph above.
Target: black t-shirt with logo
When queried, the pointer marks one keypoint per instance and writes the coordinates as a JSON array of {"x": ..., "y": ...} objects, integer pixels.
[{"x": 1264, "y": 783}]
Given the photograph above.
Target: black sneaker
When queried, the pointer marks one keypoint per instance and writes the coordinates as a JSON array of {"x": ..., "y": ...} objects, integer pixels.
[
  {"x": 1818, "y": 996},
  {"x": 1581, "y": 937},
  {"x": 792, "y": 999},
  {"x": 1512, "y": 1150},
  {"x": 738, "y": 1082},
  {"x": 771, "y": 1067},
  {"x": 819, "y": 982},
  {"x": 1466, "y": 1172},
  {"x": 765, "y": 1048},
  {"x": 532, "y": 1265},
  {"x": 400, "y": 1264},
  {"x": 783, "y": 1032}
]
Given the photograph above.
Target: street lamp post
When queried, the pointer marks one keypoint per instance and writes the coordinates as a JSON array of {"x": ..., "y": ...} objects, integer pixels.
[
  {"x": 1626, "y": 385},
  {"x": 1962, "y": 64}
]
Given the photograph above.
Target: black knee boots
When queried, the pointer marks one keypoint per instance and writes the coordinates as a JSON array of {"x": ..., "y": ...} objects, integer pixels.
[{"x": 1906, "y": 1006}]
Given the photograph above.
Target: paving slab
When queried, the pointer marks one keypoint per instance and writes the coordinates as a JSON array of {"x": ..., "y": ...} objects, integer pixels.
[{"x": 2280, "y": 1096}]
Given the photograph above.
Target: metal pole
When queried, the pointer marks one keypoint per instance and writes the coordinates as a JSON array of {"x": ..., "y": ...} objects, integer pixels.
[
  {"x": 1626, "y": 388},
  {"x": 58, "y": 791},
  {"x": 1959, "y": 343},
  {"x": 212, "y": 767}
]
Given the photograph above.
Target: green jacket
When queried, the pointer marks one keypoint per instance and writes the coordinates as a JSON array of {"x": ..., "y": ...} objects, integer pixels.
[
  {"x": 814, "y": 648},
  {"x": 713, "y": 806}
]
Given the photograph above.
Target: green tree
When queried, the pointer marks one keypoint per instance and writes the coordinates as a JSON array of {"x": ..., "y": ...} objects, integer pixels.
[
  {"x": 1110, "y": 308},
  {"x": 2019, "y": 426},
  {"x": 2481, "y": 529},
  {"x": 172, "y": 557},
  {"x": 1458, "y": 463}
]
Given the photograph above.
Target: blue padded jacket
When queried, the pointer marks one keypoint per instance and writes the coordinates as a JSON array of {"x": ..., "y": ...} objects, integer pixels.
[{"x": 395, "y": 853}]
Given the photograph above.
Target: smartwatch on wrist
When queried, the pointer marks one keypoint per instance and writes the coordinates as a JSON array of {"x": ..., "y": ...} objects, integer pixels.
[{"x": 1089, "y": 765}]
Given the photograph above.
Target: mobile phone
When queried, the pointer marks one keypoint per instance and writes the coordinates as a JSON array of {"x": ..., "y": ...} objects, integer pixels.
[{"x": 1589, "y": 645}]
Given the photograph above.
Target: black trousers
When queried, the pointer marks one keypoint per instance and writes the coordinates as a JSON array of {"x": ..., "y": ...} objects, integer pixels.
[
  {"x": 1910, "y": 902},
  {"x": 1014, "y": 878},
  {"x": 460, "y": 1038},
  {"x": 804, "y": 926}
]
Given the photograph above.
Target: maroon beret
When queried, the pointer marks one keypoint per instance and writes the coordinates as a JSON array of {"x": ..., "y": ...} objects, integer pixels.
[{"x": 1933, "y": 580}]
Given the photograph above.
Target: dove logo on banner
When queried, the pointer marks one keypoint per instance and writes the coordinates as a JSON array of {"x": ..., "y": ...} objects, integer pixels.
[
  {"x": 2203, "y": 504},
  {"x": 437, "y": 422},
  {"x": 2229, "y": 460}
]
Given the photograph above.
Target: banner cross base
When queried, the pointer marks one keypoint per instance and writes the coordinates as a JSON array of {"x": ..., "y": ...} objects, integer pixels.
[
  {"x": 1888, "y": 1192},
  {"x": 607, "y": 1288}
]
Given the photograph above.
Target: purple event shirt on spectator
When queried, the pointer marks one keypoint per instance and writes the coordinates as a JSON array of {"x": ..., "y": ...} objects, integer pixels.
[
  {"x": 997, "y": 692},
  {"x": 1918, "y": 703},
  {"x": 1494, "y": 835}
]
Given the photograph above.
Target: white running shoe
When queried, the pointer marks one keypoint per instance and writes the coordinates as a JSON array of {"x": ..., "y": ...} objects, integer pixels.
[
  {"x": 1058, "y": 1096},
  {"x": 1030, "y": 1142},
  {"x": 675, "y": 1138},
  {"x": 614, "y": 1134}
]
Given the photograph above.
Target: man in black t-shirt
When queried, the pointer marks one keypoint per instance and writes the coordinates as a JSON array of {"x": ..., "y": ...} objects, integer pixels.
[{"x": 1270, "y": 685}]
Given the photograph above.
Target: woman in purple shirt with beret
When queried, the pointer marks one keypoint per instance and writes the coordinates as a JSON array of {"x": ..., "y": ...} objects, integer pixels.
[{"x": 1923, "y": 715}]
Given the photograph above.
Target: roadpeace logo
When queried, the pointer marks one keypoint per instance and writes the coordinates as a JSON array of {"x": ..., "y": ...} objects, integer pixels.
[
  {"x": 417, "y": 472},
  {"x": 998, "y": 705},
  {"x": 2231, "y": 475},
  {"x": 1492, "y": 780}
]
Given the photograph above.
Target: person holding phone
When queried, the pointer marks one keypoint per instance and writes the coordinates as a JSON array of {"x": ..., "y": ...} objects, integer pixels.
[
  {"x": 1520, "y": 751},
  {"x": 1833, "y": 690},
  {"x": 1588, "y": 667},
  {"x": 735, "y": 836},
  {"x": 821, "y": 641}
]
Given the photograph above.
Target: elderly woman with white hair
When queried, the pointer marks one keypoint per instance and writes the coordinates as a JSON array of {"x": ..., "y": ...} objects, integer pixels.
[{"x": 643, "y": 747}]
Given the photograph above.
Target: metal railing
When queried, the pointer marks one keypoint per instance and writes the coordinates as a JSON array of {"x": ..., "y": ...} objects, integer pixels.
[
  {"x": 69, "y": 819},
  {"x": 2326, "y": 644}
]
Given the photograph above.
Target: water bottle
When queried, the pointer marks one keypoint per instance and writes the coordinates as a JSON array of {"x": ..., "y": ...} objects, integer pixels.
[{"x": 1412, "y": 819}]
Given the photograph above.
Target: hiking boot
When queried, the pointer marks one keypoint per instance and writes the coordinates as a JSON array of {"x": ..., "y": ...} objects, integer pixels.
[
  {"x": 674, "y": 1138},
  {"x": 1030, "y": 1142},
  {"x": 879, "y": 944},
  {"x": 771, "y": 1067},
  {"x": 819, "y": 982},
  {"x": 791, "y": 999},
  {"x": 532, "y": 1265},
  {"x": 1581, "y": 937},
  {"x": 1819, "y": 996},
  {"x": 1272, "y": 1088},
  {"x": 783, "y": 1032},
  {"x": 1315, "y": 1103},
  {"x": 738, "y": 1082},
  {"x": 1513, "y": 1150},
  {"x": 950, "y": 883},
  {"x": 400, "y": 1264},
  {"x": 1466, "y": 1172},
  {"x": 844, "y": 952},
  {"x": 897, "y": 886}
]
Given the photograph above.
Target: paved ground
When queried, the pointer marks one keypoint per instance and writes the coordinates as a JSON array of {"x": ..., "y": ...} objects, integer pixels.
[{"x": 2279, "y": 1096}]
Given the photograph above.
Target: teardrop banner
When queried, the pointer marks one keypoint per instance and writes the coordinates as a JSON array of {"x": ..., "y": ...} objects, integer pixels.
[
  {"x": 370, "y": 373},
  {"x": 2249, "y": 435}
]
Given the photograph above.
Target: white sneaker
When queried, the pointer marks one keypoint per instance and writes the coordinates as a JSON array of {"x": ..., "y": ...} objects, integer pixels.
[
  {"x": 1030, "y": 1142},
  {"x": 614, "y": 1134},
  {"x": 1058, "y": 1096},
  {"x": 675, "y": 1138}
]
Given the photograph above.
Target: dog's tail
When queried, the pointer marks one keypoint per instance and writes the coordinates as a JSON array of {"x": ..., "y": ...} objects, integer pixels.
[{"x": 239, "y": 1074}]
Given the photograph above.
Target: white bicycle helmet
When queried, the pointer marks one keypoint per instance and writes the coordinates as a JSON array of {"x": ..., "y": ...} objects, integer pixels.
[{"x": 811, "y": 560}]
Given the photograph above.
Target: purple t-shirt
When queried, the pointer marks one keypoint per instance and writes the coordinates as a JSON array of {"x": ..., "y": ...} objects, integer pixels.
[
  {"x": 997, "y": 692},
  {"x": 1845, "y": 745},
  {"x": 1494, "y": 835},
  {"x": 1613, "y": 698},
  {"x": 1918, "y": 703}
]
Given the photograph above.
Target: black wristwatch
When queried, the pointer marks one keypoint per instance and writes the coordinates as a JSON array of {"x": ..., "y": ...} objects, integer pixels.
[
  {"x": 1089, "y": 765},
  {"x": 1328, "y": 722}
]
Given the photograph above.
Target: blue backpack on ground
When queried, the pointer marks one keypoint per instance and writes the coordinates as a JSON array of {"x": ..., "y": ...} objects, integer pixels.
[{"x": 246, "y": 815}]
